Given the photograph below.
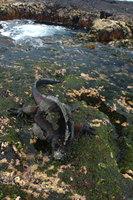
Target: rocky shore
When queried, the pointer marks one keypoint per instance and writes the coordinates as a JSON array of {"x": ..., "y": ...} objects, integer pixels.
[
  {"x": 96, "y": 78},
  {"x": 106, "y": 20}
]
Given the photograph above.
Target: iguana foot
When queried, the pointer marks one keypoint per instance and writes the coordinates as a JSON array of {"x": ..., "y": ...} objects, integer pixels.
[
  {"x": 75, "y": 108},
  {"x": 84, "y": 128},
  {"x": 87, "y": 129},
  {"x": 16, "y": 112}
]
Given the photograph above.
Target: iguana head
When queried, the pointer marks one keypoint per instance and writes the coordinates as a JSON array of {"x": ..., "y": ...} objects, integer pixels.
[{"x": 60, "y": 153}]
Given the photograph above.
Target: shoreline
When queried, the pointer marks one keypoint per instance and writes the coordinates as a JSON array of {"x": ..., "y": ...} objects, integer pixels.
[{"x": 107, "y": 20}]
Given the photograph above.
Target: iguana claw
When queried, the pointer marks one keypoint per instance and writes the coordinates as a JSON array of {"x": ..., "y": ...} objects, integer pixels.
[{"x": 17, "y": 112}]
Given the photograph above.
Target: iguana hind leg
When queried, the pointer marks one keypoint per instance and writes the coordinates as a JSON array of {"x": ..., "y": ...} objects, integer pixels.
[{"x": 19, "y": 112}]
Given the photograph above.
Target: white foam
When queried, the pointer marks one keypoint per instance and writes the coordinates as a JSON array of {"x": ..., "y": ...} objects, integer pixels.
[
  {"x": 26, "y": 30},
  {"x": 17, "y": 29}
]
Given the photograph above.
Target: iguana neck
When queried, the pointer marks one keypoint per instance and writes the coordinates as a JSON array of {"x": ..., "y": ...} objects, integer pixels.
[{"x": 36, "y": 94}]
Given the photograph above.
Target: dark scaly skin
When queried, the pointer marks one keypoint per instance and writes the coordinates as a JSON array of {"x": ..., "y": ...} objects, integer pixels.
[{"x": 54, "y": 120}]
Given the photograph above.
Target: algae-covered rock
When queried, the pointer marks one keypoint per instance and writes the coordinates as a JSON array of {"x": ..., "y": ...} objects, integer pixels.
[
  {"x": 90, "y": 171},
  {"x": 107, "y": 30},
  {"x": 86, "y": 37},
  {"x": 94, "y": 172},
  {"x": 126, "y": 43},
  {"x": 126, "y": 142}
]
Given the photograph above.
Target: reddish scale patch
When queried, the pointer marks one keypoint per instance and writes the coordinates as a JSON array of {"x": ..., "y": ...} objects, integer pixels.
[{"x": 77, "y": 129}]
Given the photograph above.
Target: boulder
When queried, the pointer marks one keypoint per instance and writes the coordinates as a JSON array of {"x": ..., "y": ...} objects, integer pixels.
[{"x": 107, "y": 30}]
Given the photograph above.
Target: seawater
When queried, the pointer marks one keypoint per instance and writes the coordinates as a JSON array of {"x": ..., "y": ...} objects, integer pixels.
[{"x": 28, "y": 32}]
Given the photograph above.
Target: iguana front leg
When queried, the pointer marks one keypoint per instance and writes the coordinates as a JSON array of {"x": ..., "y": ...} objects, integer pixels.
[
  {"x": 38, "y": 132},
  {"x": 24, "y": 110}
]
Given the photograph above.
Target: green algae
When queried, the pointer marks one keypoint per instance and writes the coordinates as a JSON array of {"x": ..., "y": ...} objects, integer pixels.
[
  {"x": 13, "y": 192},
  {"x": 93, "y": 159},
  {"x": 126, "y": 160}
]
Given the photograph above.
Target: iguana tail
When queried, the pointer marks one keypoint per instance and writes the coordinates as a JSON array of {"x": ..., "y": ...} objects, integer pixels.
[{"x": 36, "y": 94}]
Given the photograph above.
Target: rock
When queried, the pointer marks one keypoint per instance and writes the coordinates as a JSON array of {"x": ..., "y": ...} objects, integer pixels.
[
  {"x": 126, "y": 43},
  {"x": 83, "y": 15},
  {"x": 105, "y": 15},
  {"x": 106, "y": 30},
  {"x": 90, "y": 46},
  {"x": 85, "y": 23},
  {"x": 85, "y": 37}
]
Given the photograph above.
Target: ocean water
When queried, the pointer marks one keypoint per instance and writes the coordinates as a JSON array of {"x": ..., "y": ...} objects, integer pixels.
[{"x": 24, "y": 32}]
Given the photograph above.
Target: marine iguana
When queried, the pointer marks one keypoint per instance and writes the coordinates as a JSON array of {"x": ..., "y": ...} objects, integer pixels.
[{"x": 54, "y": 121}]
